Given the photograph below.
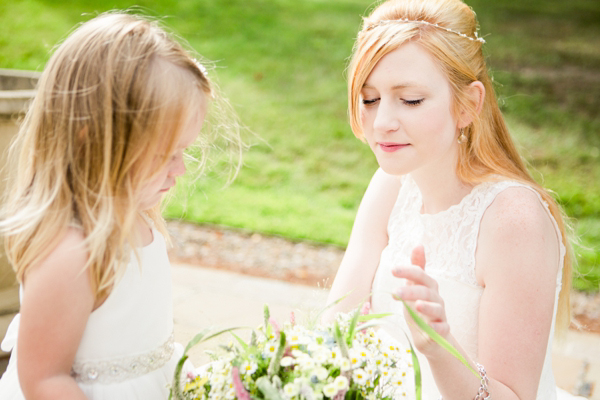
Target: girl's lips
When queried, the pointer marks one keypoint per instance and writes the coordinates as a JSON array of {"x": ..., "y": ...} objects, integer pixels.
[{"x": 389, "y": 147}]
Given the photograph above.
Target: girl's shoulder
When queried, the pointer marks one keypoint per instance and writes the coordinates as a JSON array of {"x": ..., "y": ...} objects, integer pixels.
[{"x": 67, "y": 256}]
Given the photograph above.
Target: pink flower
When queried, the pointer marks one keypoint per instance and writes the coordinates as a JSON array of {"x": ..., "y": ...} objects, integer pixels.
[
  {"x": 293, "y": 318},
  {"x": 275, "y": 326},
  {"x": 340, "y": 395},
  {"x": 240, "y": 391},
  {"x": 365, "y": 309},
  {"x": 191, "y": 376}
]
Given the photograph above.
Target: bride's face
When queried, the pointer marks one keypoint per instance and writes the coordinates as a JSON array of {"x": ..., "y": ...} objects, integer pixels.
[{"x": 406, "y": 113}]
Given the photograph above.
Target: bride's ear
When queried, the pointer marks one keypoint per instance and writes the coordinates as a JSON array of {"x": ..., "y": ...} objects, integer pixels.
[{"x": 476, "y": 97}]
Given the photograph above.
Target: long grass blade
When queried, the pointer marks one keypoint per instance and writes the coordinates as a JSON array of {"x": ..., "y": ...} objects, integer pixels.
[
  {"x": 368, "y": 317},
  {"x": 416, "y": 370},
  {"x": 438, "y": 339}
]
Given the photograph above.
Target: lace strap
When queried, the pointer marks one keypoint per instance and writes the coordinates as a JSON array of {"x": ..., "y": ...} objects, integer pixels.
[{"x": 121, "y": 369}]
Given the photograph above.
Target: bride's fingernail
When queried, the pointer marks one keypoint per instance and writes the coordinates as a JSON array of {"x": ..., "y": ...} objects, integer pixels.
[{"x": 398, "y": 295}]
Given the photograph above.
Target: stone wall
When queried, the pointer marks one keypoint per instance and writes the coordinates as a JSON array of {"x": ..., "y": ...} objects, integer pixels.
[{"x": 16, "y": 90}]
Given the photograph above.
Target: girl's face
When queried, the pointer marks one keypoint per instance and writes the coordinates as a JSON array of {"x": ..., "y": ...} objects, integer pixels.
[
  {"x": 406, "y": 113},
  {"x": 153, "y": 191}
]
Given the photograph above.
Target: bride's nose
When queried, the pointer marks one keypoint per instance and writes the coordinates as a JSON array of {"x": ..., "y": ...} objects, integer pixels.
[{"x": 386, "y": 118}]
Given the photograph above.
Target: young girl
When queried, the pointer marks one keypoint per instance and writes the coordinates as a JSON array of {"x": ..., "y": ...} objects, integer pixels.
[
  {"x": 103, "y": 141},
  {"x": 452, "y": 222}
]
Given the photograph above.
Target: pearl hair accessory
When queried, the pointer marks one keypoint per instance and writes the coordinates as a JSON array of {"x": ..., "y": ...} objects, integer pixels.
[{"x": 395, "y": 21}]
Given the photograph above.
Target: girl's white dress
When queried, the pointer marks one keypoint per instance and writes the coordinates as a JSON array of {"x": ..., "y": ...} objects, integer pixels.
[
  {"x": 450, "y": 240},
  {"x": 127, "y": 351}
]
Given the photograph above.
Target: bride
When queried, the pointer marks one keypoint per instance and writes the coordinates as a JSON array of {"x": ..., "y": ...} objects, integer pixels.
[{"x": 452, "y": 222}]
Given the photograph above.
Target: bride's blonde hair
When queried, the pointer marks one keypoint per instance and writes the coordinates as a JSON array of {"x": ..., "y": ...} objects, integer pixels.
[
  {"x": 108, "y": 113},
  {"x": 489, "y": 150}
]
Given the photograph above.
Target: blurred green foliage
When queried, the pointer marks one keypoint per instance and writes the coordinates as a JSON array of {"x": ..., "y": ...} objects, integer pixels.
[{"x": 282, "y": 65}]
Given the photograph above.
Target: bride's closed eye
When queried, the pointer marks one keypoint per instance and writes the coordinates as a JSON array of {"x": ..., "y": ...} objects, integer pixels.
[
  {"x": 413, "y": 102},
  {"x": 369, "y": 102}
]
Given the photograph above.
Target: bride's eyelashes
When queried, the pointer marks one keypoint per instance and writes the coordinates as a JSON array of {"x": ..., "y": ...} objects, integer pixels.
[
  {"x": 413, "y": 102},
  {"x": 370, "y": 102}
]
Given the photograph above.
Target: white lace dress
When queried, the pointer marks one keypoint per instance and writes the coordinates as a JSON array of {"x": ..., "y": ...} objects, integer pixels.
[
  {"x": 450, "y": 240},
  {"x": 127, "y": 350}
]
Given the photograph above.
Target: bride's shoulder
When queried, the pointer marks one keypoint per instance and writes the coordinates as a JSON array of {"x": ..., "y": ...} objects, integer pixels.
[
  {"x": 385, "y": 186},
  {"x": 516, "y": 211},
  {"x": 517, "y": 224}
]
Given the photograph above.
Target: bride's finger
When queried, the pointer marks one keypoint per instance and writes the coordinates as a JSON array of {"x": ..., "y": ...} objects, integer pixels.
[
  {"x": 431, "y": 310},
  {"x": 440, "y": 327},
  {"x": 416, "y": 292},
  {"x": 415, "y": 275},
  {"x": 417, "y": 256}
]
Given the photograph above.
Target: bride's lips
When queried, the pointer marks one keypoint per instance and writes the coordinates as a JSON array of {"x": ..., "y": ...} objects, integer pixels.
[{"x": 390, "y": 147}]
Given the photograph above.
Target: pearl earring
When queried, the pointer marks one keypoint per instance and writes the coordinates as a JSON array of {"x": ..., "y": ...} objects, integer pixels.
[{"x": 462, "y": 138}]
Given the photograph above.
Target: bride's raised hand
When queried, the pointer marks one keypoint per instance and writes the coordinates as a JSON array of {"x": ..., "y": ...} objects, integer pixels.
[{"x": 421, "y": 294}]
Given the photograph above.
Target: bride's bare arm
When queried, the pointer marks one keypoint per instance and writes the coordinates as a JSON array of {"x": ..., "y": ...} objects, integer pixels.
[
  {"x": 367, "y": 241},
  {"x": 517, "y": 262}
]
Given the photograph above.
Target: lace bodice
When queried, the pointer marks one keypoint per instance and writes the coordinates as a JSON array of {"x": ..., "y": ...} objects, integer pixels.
[{"x": 450, "y": 241}]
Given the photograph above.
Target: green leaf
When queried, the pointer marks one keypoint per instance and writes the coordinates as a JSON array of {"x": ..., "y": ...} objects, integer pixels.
[
  {"x": 416, "y": 370},
  {"x": 438, "y": 339},
  {"x": 275, "y": 361},
  {"x": 352, "y": 328},
  {"x": 200, "y": 337},
  {"x": 328, "y": 306},
  {"x": 369, "y": 325},
  {"x": 241, "y": 342},
  {"x": 368, "y": 317},
  {"x": 176, "y": 387},
  {"x": 268, "y": 390},
  {"x": 266, "y": 315},
  {"x": 337, "y": 334}
]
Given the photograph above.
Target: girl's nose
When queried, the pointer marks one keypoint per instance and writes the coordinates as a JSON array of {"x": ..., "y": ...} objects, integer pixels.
[{"x": 177, "y": 168}]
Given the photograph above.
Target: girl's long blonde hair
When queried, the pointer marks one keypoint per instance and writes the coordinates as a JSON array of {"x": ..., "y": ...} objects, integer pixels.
[
  {"x": 107, "y": 115},
  {"x": 489, "y": 150}
]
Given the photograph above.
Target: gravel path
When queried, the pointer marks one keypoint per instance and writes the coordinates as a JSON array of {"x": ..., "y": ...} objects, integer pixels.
[{"x": 298, "y": 262}]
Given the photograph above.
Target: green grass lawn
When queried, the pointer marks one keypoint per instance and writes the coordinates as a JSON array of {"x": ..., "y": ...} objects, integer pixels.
[{"x": 282, "y": 65}]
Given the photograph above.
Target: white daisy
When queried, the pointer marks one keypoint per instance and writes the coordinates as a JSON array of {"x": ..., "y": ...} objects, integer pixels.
[
  {"x": 249, "y": 367},
  {"x": 291, "y": 389},
  {"x": 341, "y": 382},
  {"x": 330, "y": 390},
  {"x": 360, "y": 376}
]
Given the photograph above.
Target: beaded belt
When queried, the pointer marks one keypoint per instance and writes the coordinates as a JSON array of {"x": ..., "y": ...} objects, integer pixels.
[{"x": 121, "y": 369}]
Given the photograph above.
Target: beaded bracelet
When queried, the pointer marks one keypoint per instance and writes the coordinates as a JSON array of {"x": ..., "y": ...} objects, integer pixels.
[{"x": 483, "y": 393}]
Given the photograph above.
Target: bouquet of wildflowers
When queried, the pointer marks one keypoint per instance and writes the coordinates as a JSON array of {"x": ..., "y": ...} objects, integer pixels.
[{"x": 343, "y": 360}]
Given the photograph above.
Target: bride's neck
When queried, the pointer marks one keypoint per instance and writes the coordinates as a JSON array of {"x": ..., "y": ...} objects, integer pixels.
[{"x": 440, "y": 190}]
